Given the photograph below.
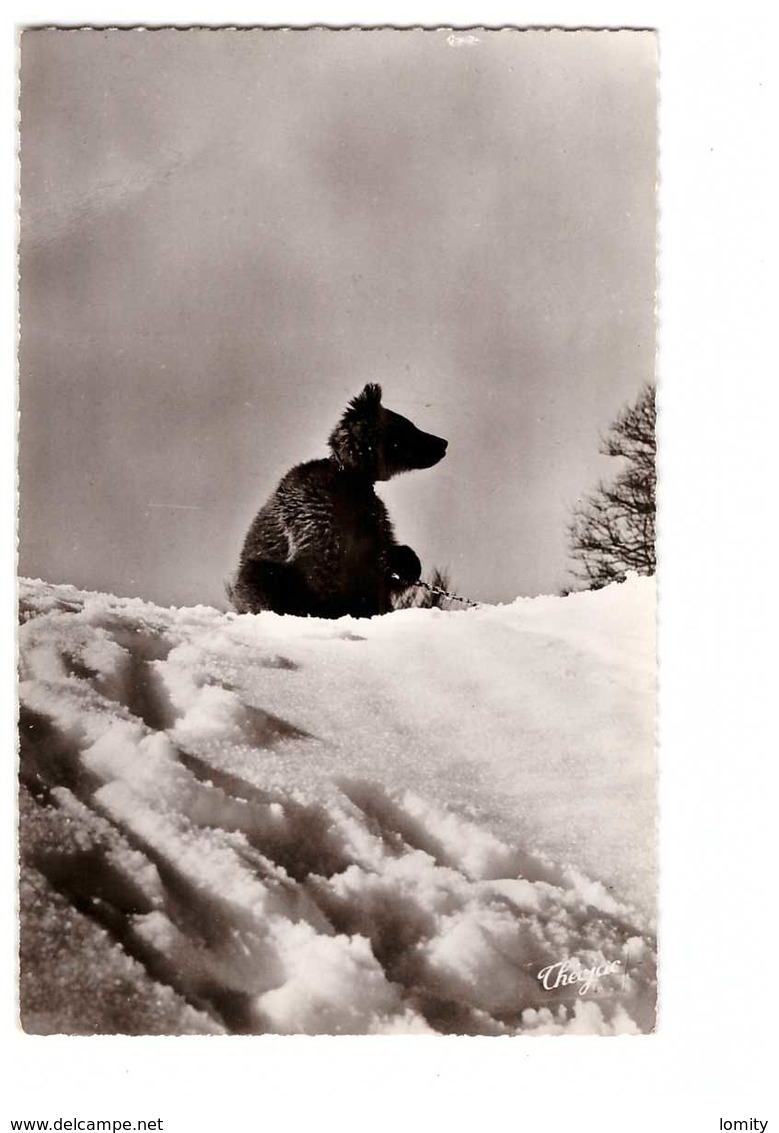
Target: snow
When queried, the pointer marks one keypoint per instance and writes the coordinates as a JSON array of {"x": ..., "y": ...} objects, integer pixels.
[{"x": 269, "y": 824}]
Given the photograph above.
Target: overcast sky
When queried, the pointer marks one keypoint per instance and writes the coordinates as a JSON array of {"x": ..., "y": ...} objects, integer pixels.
[{"x": 226, "y": 234}]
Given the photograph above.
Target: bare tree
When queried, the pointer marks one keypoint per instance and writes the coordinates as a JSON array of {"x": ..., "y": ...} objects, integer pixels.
[{"x": 613, "y": 529}]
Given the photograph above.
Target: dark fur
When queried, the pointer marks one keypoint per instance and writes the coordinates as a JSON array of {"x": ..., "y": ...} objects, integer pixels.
[{"x": 323, "y": 544}]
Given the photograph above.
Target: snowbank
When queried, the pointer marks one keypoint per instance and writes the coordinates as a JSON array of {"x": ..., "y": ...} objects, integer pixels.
[{"x": 264, "y": 824}]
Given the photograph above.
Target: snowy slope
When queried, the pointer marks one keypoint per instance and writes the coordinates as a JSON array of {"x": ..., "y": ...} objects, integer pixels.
[{"x": 266, "y": 824}]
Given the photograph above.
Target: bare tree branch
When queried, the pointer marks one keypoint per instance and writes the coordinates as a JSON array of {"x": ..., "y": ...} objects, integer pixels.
[{"x": 612, "y": 531}]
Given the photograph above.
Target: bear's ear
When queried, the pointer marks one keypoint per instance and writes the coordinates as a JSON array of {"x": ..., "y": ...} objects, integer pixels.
[
  {"x": 355, "y": 439},
  {"x": 370, "y": 398}
]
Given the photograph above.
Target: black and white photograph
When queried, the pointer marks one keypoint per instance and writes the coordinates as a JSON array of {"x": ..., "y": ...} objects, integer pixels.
[{"x": 337, "y": 491}]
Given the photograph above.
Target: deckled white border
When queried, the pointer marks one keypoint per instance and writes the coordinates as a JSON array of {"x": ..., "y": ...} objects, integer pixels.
[{"x": 718, "y": 666}]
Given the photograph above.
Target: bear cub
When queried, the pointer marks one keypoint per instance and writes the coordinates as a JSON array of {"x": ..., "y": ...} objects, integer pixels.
[{"x": 323, "y": 544}]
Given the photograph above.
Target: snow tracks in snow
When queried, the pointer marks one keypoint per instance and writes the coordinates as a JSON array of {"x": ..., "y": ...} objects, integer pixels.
[{"x": 201, "y": 854}]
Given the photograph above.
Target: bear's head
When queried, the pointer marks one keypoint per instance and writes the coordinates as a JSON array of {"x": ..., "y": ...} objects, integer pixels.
[{"x": 379, "y": 443}]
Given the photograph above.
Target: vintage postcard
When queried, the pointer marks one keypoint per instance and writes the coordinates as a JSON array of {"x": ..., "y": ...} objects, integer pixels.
[{"x": 337, "y": 532}]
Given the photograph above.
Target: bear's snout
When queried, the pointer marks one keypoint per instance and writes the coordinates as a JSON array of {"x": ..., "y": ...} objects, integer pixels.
[{"x": 431, "y": 450}]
